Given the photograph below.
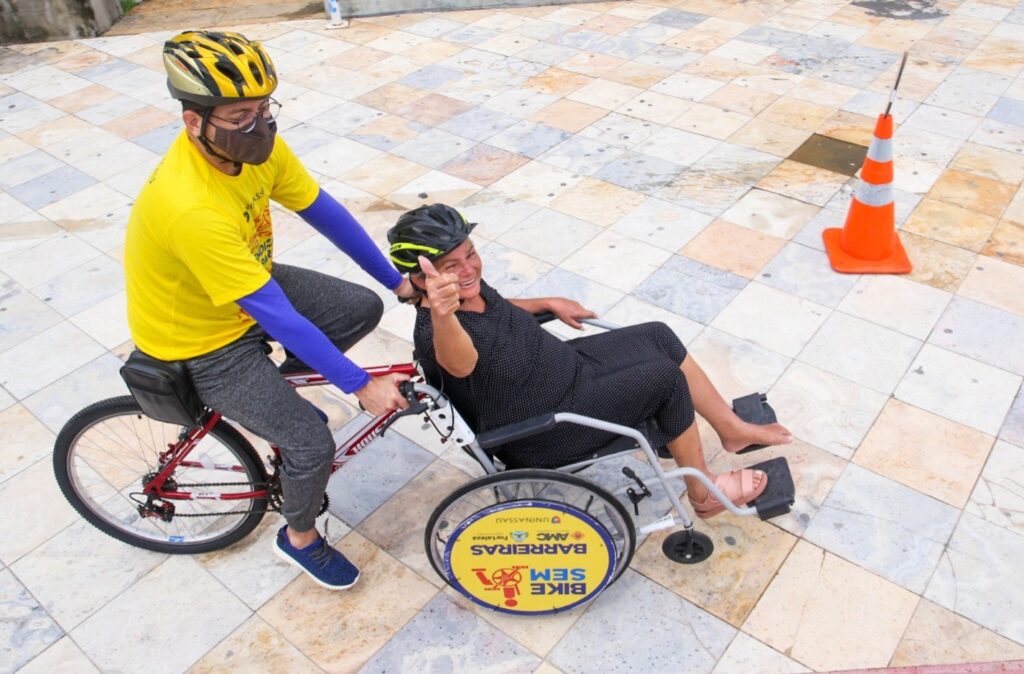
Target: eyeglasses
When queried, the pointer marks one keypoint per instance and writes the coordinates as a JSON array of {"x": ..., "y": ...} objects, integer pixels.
[{"x": 247, "y": 121}]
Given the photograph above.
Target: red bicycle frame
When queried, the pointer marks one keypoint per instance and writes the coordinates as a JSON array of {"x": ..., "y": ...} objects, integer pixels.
[{"x": 177, "y": 453}]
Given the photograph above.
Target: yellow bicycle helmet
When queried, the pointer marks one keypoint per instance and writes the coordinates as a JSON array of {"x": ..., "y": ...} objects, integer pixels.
[{"x": 213, "y": 68}]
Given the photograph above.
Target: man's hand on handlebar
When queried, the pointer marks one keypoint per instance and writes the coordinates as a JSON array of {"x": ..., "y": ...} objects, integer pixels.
[{"x": 381, "y": 394}]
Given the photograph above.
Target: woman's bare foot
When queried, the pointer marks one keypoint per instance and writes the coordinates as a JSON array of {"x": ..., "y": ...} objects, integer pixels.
[{"x": 746, "y": 434}]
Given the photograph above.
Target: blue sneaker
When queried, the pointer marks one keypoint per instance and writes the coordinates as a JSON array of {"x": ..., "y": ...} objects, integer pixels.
[{"x": 324, "y": 564}]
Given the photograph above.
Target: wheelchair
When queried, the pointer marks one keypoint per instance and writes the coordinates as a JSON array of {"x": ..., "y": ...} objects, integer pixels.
[{"x": 529, "y": 541}]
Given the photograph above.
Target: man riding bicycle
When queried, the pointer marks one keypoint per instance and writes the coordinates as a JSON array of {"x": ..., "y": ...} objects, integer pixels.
[{"x": 203, "y": 289}]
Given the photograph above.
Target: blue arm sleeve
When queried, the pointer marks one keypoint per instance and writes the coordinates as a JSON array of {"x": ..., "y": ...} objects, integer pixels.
[
  {"x": 334, "y": 221},
  {"x": 275, "y": 314}
]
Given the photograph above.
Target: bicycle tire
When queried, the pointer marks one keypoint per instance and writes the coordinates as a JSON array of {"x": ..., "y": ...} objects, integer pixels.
[
  {"x": 97, "y": 447},
  {"x": 613, "y": 516}
]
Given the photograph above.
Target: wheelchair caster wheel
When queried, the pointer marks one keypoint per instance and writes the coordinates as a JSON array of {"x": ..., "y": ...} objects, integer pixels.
[{"x": 688, "y": 547}]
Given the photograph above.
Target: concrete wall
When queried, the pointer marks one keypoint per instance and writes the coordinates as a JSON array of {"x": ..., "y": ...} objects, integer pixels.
[
  {"x": 40, "y": 20},
  {"x": 351, "y": 8}
]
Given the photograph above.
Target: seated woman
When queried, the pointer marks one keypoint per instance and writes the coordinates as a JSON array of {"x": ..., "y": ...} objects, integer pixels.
[{"x": 499, "y": 366}]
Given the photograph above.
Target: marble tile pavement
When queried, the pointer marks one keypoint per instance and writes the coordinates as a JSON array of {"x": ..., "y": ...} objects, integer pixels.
[{"x": 633, "y": 155}]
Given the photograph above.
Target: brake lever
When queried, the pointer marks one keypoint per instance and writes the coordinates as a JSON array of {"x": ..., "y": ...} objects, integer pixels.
[{"x": 415, "y": 406}]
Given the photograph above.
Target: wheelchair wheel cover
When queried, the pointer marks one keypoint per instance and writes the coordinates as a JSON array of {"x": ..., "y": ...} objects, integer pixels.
[
  {"x": 530, "y": 557},
  {"x": 583, "y": 511}
]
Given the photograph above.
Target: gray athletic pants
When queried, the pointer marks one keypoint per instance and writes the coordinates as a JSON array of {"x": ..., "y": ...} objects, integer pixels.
[{"x": 240, "y": 382}]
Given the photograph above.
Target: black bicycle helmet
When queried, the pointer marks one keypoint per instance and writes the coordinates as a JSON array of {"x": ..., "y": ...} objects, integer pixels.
[{"x": 430, "y": 231}]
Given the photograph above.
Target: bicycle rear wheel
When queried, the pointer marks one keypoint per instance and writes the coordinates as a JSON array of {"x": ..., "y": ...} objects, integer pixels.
[{"x": 106, "y": 453}]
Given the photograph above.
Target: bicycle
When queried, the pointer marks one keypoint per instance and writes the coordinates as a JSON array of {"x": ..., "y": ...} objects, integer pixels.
[{"x": 192, "y": 483}]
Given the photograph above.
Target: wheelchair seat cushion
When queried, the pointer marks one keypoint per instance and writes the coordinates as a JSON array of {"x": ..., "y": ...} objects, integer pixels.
[{"x": 626, "y": 376}]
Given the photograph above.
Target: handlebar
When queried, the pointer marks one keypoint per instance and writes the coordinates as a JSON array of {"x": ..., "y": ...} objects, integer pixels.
[{"x": 411, "y": 392}]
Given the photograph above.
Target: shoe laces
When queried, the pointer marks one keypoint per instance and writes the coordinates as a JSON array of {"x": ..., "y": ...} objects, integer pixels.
[{"x": 322, "y": 555}]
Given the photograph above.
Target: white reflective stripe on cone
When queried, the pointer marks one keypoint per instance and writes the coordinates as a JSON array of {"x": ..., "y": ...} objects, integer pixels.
[
  {"x": 880, "y": 150},
  {"x": 874, "y": 195}
]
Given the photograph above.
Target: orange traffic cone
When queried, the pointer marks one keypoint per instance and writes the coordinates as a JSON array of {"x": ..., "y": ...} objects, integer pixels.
[{"x": 868, "y": 243}]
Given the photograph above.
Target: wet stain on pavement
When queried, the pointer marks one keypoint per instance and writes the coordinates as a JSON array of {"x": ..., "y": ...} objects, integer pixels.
[{"x": 913, "y": 10}]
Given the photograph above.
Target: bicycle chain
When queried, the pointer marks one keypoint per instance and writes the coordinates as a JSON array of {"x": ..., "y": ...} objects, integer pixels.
[{"x": 260, "y": 485}]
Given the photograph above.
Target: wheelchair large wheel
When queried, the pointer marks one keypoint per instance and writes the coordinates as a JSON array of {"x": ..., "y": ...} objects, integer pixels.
[{"x": 530, "y": 541}]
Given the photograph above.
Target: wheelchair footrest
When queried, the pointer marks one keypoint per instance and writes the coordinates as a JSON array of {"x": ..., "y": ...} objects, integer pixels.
[
  {"x": 754, "y": 409},
  {"x": 780, "y": 493}
]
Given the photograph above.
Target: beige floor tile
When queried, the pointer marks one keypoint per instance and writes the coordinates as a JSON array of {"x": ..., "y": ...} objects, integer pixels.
[
  {"x": 748, "y": 553},
  {"x": 632, "y": 260},
  {"x": 537, "y": 182},
  {"x": 26, "y": 440},
  {"x": 339, "y": 631},
  {"x": 937, "y": 264},
  {"x": 568, "y": 115},
  {"x": 769, "y": 137},
  {"x": 848, "y": 126},
  {"x": 825, "y": 410},
  {"x": 770, "y": 213},
  {"x": 141, "y": 121},
  {"x": 997, "y": 283},
  {"x": 830, "y": 614},
  {"x": 254, "y": 647},
  {"x": 710, "y": 121},
  {"x": 943, "y": 460},
  {"x": 824, "y": 93},
  {"x": 439, "y": 187},
  {"x": 989, "y": 162},
  {"x": 794, "y": 112},
  {"x": 392, "y": 97},
  {"x": 382, "y": 175},
  {"x": 978, "y": 194},
  {"x": 950, "y": 224},
  {"x": 483, "y": 164},
  {"x": 996, "y": 55},
  {"x": 1006, "y": 242},
  {"x": 937, "y": 636},
  {"x": 558, "y": 82},
  {"x": 591, "y": 64},
  {"x": 604, "y": 94},
  {"x": 654, "y": 107},
  {"x": 741, "y": 250},
  {"x": 547, "y": 668},
  {"x": 64, "y": 657},
  {"x": 747, "y": 655},
  {"x": 597, "y": 201},
  {"x": 637, "y": 74},
  {"x": 809, "y": 184},
  {"x": 743, "y": 100},
  {"x": 896, "y": 302},
  {"x": 398, "y": 525}
]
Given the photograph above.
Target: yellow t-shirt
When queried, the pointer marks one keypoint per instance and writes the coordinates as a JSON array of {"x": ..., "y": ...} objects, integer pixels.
[{"x": 198, "y": 240}]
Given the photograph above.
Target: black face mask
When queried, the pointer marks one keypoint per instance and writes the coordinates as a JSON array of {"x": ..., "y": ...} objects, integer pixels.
[{"x": 253, "y": 147}]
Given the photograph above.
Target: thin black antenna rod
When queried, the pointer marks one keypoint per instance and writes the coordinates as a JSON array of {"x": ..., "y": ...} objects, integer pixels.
[{"x": 899, "y": 76}]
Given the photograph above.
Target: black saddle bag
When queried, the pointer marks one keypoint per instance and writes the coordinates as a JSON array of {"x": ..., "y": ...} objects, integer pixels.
[{"x": 163, "y": 389}]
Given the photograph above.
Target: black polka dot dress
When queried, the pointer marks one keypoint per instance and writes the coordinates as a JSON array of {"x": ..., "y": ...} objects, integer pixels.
[{"x": 627, "y": 376}]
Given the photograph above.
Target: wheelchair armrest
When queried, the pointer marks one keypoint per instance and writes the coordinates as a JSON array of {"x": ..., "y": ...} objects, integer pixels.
[
  {"x": 544, "y": 317},
  {"x": 517, "y": 431}
]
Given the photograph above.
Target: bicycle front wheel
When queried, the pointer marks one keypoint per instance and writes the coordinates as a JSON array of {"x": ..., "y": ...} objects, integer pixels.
[{"x": 108, "y": 452}]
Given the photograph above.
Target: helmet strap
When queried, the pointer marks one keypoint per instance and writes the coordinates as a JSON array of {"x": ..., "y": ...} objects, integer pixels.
[{"x": 210, "y": 147}]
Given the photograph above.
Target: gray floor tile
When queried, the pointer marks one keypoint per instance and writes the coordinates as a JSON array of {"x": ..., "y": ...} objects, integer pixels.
[
  {"x": 691, "y": 289},
  {"x": 973, "y": 577},
  {"x": 50, "y": 187},
  {"x": 982, "y": 332},
  {"x": 446, "y": 638},
  {"x": 374, "y": 475},
  {"x": 883, "y": 526},
  {"x": 639, "y": 626}
]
